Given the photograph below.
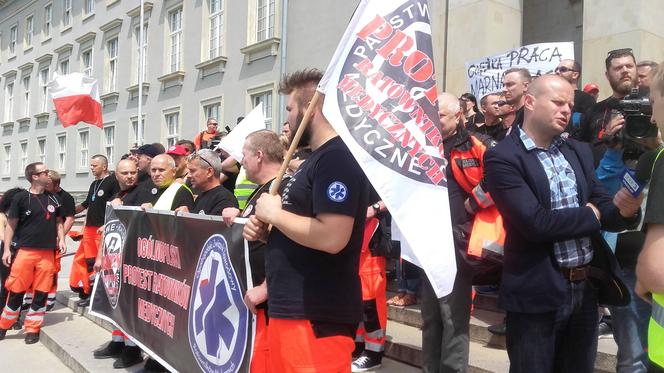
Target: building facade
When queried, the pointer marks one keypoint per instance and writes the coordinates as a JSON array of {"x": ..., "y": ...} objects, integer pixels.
[{"x": 220, "y": 58}]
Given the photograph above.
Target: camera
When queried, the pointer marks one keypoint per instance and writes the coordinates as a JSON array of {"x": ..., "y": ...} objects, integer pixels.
[{"x": 637, "y": 110}]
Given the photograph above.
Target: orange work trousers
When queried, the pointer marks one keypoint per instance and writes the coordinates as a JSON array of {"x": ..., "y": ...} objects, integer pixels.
[
  {"x": 371, "y": 330},
  {"x": 260, "y": 358},
  {"x": 82, "y": 267},
  {"x": 31, "y": 267},
  {"x": 294, "y": 348}
]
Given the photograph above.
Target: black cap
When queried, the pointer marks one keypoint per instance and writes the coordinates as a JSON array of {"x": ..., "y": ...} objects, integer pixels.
[{"x": 149, "y": 150}]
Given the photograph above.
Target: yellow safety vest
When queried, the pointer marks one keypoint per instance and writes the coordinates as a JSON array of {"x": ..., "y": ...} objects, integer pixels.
[
  {"x": 243, "y": 188},
  {"x": 165, "y": 201},
  {"x": 656, "y": 327}
]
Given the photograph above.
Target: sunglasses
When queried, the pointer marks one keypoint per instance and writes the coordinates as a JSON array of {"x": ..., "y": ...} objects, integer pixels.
[
  {"x": 563, "y": 69},
  {"x": 205, "y": 160},
  {"x": 41, "y": 172},
  {"x": 501, "y": 103}
]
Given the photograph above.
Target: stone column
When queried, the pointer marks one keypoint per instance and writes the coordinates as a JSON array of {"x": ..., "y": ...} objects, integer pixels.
[
  {"x": 476, "y": 29},
  {"x": 614, "y": 24}
]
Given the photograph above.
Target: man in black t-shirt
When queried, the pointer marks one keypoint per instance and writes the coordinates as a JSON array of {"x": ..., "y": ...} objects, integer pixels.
[
  {"x": 68, "y": 212},
  {"x": 102, "y": 189},
  {"x": 204, "y": 170},
  {"x": 263, "y": 154},
  {"x": 570, "y": 70},
  {"x": 493, "y": 124},
  {"x": 144, "y": 155},
  {"x": 35, "y": 220},
  {"x": 130, "y": 194},
  {"x": 315, "y": 300}
]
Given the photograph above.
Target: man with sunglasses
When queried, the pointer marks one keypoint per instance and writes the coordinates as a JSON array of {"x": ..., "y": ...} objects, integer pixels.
[
  {"x": 35, "y": 220},
  {"x": 204, "y": 170},
  {"x": 493, "y": 125},
  {"x": 570, "y": 70}
]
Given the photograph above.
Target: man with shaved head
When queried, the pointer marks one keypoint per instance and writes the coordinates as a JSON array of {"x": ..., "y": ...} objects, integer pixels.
[
  {"x": 445, "y": 340},
  {"x": 570, "y": 70},
  {"x": 553, "y": 207},
  {"x": 102, "y": 189},
  {"x": 168, "y": 194},
  {"x": 130, "y": 194}
]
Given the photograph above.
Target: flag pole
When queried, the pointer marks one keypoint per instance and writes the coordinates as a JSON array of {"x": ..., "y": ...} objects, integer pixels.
[
  {"x": 274, "y": 189},
  {"x": 139, "y": 135}
]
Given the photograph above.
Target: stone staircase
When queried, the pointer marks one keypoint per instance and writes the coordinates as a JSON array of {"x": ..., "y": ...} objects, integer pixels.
[{"x": 487, "y": 351}]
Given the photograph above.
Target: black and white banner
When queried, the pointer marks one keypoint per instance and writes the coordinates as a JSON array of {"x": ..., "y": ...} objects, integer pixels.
[{"x": 175, "y": 285}]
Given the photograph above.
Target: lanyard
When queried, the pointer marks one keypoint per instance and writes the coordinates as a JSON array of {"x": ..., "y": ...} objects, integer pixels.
[{"x": 96, "y": 189}]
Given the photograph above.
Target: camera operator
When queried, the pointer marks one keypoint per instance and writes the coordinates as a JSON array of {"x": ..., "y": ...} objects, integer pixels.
[
  {"x": 650, "y": 277},
  {"x": 617, "y": 128}
]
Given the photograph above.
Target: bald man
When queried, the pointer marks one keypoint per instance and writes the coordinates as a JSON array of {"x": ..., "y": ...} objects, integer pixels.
[
  {"x": 570, "y": 70},
  {"x": 168, "y": 194},
  {"x": 553, "y": 209},
  {"x": 102, "y": 189},
  {"x": 445, "y": 338}
]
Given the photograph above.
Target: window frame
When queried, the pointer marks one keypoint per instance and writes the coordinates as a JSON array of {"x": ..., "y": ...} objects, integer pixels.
[
  {"x": 43, "y": 83},
  {"x": 88, "y": 7},
  {"x": 23, "y": 147},
  {"x": 216, "y": 49},
  {"x": 66, "y": 13},
  {"x": 109, "y": 146},
  {"x": 29, "y": 36},
  {"x": 48, "y": 20},
  {"x": 137, "y": 61},
  {"x": 61, "y": 150},
  {"x": 41, "y": 151},
  {"x": 270, "y": 23},
  {"x": 175, "y": 40},
  {"x": 84, "y": 69},
  {"x": 268, "y": 110},
  {"x": 83, "y": 150},
  {"x": 26, "y": 95},
  {"x": 172, "y": 137},
  {"x": 62, "y": 61},
  {"x": 7, "y": 155},
  {"x": 9, "y": 101},
  {"x": 112, "y": 63},
  {"x": 13, "y": 39}
]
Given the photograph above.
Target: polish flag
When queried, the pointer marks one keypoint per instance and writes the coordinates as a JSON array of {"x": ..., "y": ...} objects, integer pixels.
[{"x": 76, "y": 99}]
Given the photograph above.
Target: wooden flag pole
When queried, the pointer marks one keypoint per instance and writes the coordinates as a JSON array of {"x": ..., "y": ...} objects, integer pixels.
[{"x": 274, "y": 188}]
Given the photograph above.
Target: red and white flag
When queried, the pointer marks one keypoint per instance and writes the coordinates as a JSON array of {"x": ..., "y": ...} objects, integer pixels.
[
  {"x": 76, "y": 99},
  {"x": 381, "y": 98}
]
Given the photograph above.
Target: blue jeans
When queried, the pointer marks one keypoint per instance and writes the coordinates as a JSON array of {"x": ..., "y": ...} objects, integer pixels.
[
  {"x": 630, "y": 329},
  {"x": 408, "y": 277},
  {"x": 564, "y": 340}
]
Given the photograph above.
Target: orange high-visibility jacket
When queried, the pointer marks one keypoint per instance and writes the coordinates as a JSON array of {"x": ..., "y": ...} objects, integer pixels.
[{"x": 467, "y": 162}]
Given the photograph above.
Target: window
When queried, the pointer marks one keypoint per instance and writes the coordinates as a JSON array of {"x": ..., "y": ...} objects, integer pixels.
[
  {"x": 62, "y": 151},
  {"x": 83, "y": 142},
  {"x": 265, "y": 19},
  {"x": 9, "y": 104},
  {"x": 89, "y": 7},
  {"x": 13, "y": 36},
  {"x": 109, "y": 143},
  {"x": 86, "y": 58},
  {"x": 24, "y": 154},
  {"x": 64, "y": 66},
  {"x": 266, "y": 99},
  {"x": 139, "y": 62},
  {"x": 48, "y": 20},
  {"x": 66, "y": 13},
  {"x": 41, "y": 144},
  {"x": 175, "y": 22},
  {"x": 26, "y": 96},
  {"x": 212, "y": 111},
  {"x": 43, "y": 83},
  {"x": 216, "y": 27},
  {"x": 112, "y": 50},
  {"x": 8, "y": 160},
  {"x": 134, "y": 131},
  {"x": 29, "y": 31},
  {"x": 172, "y": 128}
]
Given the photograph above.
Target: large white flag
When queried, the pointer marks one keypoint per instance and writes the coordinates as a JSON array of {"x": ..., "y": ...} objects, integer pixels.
[
  {"x": 234, "y": 141},
  {"x": 380, "y": 96}
]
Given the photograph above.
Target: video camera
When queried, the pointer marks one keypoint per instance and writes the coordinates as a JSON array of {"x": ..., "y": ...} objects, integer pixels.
[{"x": 637, "y": 110}]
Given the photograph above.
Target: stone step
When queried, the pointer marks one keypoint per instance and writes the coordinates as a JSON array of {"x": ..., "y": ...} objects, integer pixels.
[
  {"x": 480, "y": 320},
  {"x": 73, "y": 338},
  {"x": 78, "y": 357},
  {"x": 404, "y": 343}
]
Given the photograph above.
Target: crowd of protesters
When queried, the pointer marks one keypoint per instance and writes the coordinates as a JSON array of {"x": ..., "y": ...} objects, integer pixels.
[{"x": 538, "y": 210}]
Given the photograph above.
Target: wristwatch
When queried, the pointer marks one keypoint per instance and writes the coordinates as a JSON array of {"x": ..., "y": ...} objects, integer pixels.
[{"x": 376, "y": 207}]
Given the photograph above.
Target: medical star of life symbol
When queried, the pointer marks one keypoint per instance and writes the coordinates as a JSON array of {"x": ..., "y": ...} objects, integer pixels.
[
  {"x": 218, "y": 317},
  {"x": 337, "y": 191}
]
